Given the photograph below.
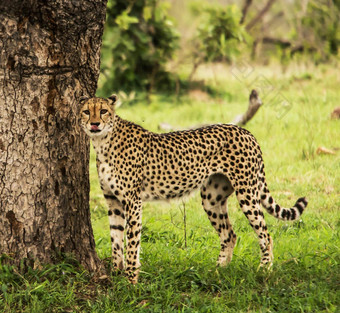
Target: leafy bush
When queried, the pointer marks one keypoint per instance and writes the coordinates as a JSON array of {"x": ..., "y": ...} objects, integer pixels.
[
  {"x": 220, "y": 33},
  {"x": 219, "y": 36},
  {"x": 138, "y": 41},
  {"x": 321, "y": 27}
]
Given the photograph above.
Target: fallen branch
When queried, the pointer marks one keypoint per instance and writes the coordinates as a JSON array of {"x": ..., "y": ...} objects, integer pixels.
[
  {"x": 254, "y": 104},
  {"x": 336, "y": 113},
  {"x": 324, "y": 150},
  {"x": 241, "y": 120}
]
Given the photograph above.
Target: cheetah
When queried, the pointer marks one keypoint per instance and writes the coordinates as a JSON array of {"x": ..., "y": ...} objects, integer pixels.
[{"x": 136, "y": 165}]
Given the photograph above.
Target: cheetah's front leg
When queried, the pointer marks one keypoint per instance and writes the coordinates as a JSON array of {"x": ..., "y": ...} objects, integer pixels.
[
  {"x": 117, "y": 226},
  {"x": 134, "y": 212}
]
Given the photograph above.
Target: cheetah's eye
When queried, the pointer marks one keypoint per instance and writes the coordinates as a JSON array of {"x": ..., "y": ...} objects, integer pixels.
[
  {"x": 87, "y": 112},
  {"x": 103, "y": 111}
]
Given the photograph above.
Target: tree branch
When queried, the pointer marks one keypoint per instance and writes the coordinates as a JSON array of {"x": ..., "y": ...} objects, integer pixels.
[
  {"x": 245, "y": 8},
  {"x": 260, "y": 15},
  {"x": 284, "y": 43}
]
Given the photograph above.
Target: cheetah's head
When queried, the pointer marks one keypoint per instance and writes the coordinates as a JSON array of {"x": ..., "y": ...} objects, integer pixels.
[{"x": 97, "y": 115}]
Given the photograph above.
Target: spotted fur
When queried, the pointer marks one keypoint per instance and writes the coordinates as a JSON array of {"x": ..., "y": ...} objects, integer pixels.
[{"x": 135, "y": 165}]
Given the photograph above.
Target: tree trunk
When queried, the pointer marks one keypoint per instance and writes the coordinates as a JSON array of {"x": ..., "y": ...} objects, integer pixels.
[{"x": 49, "y": 57}]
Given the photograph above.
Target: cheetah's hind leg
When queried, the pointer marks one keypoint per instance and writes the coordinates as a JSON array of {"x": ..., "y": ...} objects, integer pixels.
[
  {"x": 250, "y": 205},
  {"x": 215, "y": 193}
]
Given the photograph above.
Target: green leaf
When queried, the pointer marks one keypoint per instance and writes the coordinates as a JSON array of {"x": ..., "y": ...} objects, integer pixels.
[
  {"x": 124, "y": 20},
  {"x": 147, "y": 13}
]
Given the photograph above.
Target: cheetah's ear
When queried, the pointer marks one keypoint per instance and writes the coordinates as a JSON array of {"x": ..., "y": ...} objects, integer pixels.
[{"x": 113, "y": 98}]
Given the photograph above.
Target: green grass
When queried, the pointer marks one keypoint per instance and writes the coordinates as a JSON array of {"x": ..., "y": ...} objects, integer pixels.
[{"x": 179, "y": 275}]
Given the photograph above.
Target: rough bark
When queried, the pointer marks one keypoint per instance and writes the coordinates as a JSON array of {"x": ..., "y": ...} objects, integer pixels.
[{"x": 49, "y": 57}]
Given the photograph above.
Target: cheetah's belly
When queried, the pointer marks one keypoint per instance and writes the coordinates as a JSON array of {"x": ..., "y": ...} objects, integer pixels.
[{"x": 170, "y": 187}]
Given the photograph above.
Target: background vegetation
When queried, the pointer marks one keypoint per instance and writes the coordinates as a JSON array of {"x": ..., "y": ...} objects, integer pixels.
[
  {"x": 152, "y": 45},
  {"x": 187, "y": 80}
]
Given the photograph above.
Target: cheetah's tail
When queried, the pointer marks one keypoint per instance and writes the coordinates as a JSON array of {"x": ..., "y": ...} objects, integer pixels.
[{"x": 276, "y": 210}]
